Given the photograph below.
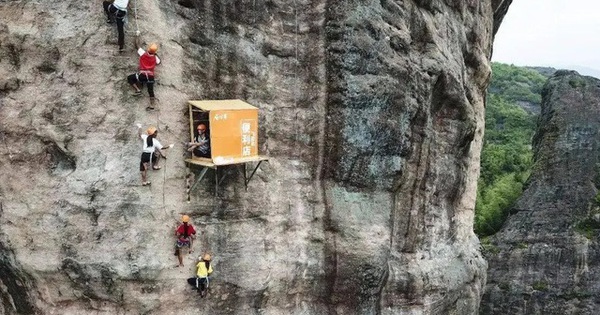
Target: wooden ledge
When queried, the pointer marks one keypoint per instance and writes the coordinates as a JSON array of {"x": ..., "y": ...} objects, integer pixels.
[{"x": 206, "y": 162}]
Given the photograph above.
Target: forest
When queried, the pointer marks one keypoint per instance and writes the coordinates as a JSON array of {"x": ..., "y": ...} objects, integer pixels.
[{"x": 512, "y": 106}]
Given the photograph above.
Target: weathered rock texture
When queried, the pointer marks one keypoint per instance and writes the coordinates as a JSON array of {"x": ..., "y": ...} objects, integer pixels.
[
  {"x": 371, "y": 112},
  {"x": 545, "y": 259}
]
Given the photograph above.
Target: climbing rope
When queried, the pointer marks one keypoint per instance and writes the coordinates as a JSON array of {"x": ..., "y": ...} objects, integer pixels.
[
  {"x": 256, "y": 29},
  {"x": 163, "y": 192},
  {"x": 135, "y": 15},
  {"x": 164, "y": 175},
  {"x": 158, "y": 121},
  {"x": 297, "y": 129},
  {"x": 164, "y": 168}
]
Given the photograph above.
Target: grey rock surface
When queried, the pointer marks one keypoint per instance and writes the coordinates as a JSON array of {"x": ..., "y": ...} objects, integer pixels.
[
  {"x": 545, "y": 258},
  {"x": 371, "y": 112}
]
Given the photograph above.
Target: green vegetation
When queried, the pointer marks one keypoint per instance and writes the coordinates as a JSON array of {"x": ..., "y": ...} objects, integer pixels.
[
  {"x": 597, "y": 199},
  {"x": 576, "y": 294},
  {"x": 587, "y": 227},
  {"x": 590, "y": 225},
  {"x": 504, "y": 286},
  {"x": 540, "y": 286},
  {"x": 522, "y": 245},
  {"x": 488, "y": 248},
  {"x": 576, "y": 83},
  {"x": 506, "y": 157},
  {"x": 516, "y": 83}
]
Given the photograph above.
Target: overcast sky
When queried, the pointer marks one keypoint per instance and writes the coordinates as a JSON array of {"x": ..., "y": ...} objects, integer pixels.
[{"x": 557, "y": 33}]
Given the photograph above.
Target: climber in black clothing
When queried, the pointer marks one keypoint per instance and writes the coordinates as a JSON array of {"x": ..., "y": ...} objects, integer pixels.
[{"x": 116, "y": 10}]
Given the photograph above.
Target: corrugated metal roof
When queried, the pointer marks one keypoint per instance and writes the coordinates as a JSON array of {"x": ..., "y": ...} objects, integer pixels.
[{"x": 222, "y": 105}]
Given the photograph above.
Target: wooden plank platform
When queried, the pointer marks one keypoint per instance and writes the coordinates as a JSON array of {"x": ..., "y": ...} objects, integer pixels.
[
  {"x": 206, "y": 162},
  {"x": 201, "y": 161}
]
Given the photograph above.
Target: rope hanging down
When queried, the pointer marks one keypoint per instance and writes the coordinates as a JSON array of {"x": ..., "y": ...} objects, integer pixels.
[{"x": 135, "y": 15}]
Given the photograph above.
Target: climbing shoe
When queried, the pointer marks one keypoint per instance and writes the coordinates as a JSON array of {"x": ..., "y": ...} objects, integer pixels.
[{"x": 137, "y": 93}]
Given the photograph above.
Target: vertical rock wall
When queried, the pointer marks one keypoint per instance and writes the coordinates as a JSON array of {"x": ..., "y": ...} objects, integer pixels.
[
  {"x": 371, "y": 112},
  {"x": 405, "y": 130},
  {"x": 544, "y": 260}
]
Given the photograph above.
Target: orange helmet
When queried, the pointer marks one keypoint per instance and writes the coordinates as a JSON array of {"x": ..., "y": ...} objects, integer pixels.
[
  {"x": 201, "y": 127},
  {"x": 185, "y": 218},
  {"x": 206, "y": 257},
  {"x": 151, "y": 130},
  {"x": 152, "y": 48}
]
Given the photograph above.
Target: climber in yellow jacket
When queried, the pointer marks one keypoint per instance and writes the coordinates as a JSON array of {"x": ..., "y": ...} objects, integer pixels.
[
  {"x": 203, "y": 271},
  {"x": 204, "y": 268}
]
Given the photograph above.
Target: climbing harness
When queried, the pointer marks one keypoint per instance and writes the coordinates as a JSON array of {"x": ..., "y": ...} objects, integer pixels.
[
  {"x": 117, "y": 11},
  {"x": 206, "y": 279},
  {"x": 145, "y": 73}
]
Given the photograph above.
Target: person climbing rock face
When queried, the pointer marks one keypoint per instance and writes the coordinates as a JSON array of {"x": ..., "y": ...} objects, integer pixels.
[
  {"x": 185, "y": 237},
  {"x": 149, "y": 154},
  {"x": 201, "y": 145},
  {"x": 145, "y": 75},
  {"x": 116, "y": 10},
  {"x": 203, "y": 271}
]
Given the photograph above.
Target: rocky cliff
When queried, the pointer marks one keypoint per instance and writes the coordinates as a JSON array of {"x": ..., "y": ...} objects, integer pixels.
[
  {"x": 545, "y": 258},
  {"x": 371, "y": 113}
]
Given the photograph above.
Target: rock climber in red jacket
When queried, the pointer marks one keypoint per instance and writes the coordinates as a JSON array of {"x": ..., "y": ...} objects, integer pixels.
[{"x": 145, "y": 74}]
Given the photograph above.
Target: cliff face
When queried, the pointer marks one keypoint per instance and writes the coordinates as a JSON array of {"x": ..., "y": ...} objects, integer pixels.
[
  {"x": 371, "y": 112},
  {"x": 544, "y": 260}
]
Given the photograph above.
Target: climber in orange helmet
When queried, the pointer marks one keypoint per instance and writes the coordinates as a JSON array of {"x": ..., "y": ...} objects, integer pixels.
[
  {"x": 149, "y": 151},
  {"x": 185, "y": 238},
  {"x": 201, "y": 145},
  {"x": 203, "y": 271},
  {"x": 145, "y": 75}
]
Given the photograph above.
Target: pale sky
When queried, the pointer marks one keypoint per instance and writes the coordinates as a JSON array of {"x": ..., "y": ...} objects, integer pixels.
[{"x": 556, "y": 33}]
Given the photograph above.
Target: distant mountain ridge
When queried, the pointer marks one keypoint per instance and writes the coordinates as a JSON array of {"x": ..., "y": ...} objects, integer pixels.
[
  {"x": 586, "y": 71},
  {"x": 545, "y": 71},
  {"x": 513, "y": 105},
  {"x": 521, "y": 85},
  {"x": 545, "y": 258},
  {"x": 582, "y": 70}
]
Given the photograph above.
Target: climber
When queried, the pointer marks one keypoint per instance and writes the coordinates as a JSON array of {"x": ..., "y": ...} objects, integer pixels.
[
  {"x": 117, "y": 10},
  {"x": 202, "y": 279},
  {"x": 185, "y": 238},
  {"x": 151, "y": 144},
  {"x": 201, "y": 145},
  {"x": 145, "y": 75}
]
